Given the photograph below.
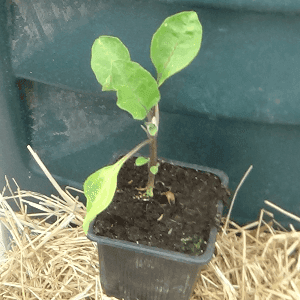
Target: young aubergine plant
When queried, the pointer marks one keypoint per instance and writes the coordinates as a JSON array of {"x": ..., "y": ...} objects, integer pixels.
[{"x": 173, "y": 47}]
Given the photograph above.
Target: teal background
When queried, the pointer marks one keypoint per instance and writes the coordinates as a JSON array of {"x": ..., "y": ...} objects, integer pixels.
[{"x": 236, "y": 105}]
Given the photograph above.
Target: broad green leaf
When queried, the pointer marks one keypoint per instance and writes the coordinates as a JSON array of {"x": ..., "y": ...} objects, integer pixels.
[
  {"x": 137, "y": 90},
  {"x": 105, "y": 50},
  {"x": 99, "y": 189},
  {"x": 175, "y": 44},
  {"x": 140, "y": 161}
]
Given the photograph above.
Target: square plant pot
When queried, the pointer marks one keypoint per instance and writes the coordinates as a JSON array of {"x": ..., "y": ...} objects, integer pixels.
[{"x": 133, "y": 271}]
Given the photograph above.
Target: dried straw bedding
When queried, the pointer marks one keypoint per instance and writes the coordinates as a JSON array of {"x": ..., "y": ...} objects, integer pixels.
[{"x": 57, "y": 261}]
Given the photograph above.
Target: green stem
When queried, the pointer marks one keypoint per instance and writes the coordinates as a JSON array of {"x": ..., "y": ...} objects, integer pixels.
[
  {"x": 152, "y": 162},
  {"x": 153, "y": 149}
]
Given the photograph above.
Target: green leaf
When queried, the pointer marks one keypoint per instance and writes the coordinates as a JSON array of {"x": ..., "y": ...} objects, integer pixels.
[
  {"x": 137, "y": 90},
  {"x": 140, "y": 161},
  {"x": 99, "y": 189},
  {"x": 175, "y": 44},
  {"x": 105, "y": 50},
  {"x": 154, "y": 170},
  {"x": 152, "y": 129}
]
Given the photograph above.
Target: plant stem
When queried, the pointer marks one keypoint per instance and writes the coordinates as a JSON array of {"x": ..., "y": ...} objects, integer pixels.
[
  {"x": 153, "y": 148},
  {"x": 152, "y": 162}
]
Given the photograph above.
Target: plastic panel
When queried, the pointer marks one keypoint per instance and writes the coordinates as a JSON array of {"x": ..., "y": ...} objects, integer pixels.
[
  {"x": 286, "y": 6},
  {"x": 247, "y": 68},
  {"x": 14, "y": 126}
]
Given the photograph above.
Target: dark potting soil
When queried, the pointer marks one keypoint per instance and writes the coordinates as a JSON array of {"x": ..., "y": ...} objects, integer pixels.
[{"x": 182, "y": 225}]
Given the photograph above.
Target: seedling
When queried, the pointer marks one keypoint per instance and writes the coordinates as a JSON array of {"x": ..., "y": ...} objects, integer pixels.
[
  {"x": 173, "y": 47},
  {"x": 192, "y": 244}
]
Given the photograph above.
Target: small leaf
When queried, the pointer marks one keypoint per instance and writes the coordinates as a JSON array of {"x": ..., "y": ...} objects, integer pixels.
[
  {"x": 140, "y": 161},
  {"x": 152, "y": 129},
  {"x": 137, "y": 90},
  {"x": 105, "y": 50},
  {"x": 99, "y": 189},
  {"x": 154, "y": 170},
  {"x": 149, "y": 192},
  {"x": 175, "y": 44}
]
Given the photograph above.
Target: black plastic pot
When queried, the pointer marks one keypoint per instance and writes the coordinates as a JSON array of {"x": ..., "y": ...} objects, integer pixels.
[{"x": 131, "y": 271}]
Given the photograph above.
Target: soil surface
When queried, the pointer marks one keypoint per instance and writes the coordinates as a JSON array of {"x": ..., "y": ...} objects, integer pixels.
[{"x": 182, "y": 225}]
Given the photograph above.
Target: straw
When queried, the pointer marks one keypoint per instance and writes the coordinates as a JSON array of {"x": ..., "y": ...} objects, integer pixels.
[
  {"x": 282, "y": 211},
  {"x": 262, "y": 263},
  {"x": 234, "y": 197},
  {"x": 57, "y": 262}
]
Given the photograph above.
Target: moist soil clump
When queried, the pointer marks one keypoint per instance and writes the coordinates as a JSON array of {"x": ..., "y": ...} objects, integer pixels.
[{"x": 182, "y": 225}]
